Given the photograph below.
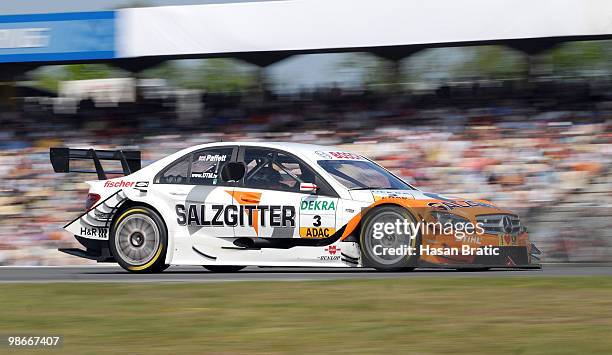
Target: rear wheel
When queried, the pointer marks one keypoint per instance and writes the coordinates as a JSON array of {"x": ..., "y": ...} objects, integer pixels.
[
  {"x": 382, "y": 253},
  {"x": 223, "y": 268},
  {"x": 138, "y": 240}
]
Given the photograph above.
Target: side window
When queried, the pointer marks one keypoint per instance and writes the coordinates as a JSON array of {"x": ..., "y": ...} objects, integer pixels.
[
  {"x": 267, "y": 169},
  {"x": 259, "y": 171},
  {"x": 176, "y": 173},
  {"x": 206, "y": 165},
  {"x": 293, "y": 172}
]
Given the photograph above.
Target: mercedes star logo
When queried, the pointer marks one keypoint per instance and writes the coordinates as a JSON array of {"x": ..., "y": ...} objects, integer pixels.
[{"x": 506, "y": 224}]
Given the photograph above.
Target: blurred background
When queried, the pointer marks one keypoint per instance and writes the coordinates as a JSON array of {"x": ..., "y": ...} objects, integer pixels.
[{"x": 525, "y": 124}]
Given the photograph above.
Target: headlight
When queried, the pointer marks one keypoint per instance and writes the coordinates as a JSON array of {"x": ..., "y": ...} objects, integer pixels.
[{"x": 448, "y": 218}]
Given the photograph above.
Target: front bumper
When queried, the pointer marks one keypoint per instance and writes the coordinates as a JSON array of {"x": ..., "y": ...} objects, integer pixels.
[{"x": 509, "y": 257}]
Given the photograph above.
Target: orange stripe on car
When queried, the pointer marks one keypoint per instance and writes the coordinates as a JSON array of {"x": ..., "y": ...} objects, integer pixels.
[{"x": 248, "y": 198}]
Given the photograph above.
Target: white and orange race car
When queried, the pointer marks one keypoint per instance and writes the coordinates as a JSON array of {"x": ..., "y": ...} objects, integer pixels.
[{"x": 226, "y": 206}]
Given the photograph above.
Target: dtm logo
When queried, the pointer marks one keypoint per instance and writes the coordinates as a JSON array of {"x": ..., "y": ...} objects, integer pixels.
[{"x": 332, "y": 250}]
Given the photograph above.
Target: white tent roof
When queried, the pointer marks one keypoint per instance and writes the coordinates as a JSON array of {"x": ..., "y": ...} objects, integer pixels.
[{"x": 337, "y": 24}]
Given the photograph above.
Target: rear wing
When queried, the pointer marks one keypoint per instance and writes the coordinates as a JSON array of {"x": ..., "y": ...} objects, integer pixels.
[{"x": 61, "y": 157}]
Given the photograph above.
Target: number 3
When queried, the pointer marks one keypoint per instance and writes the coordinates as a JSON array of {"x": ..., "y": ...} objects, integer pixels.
[{"x": 317, "y": 221}]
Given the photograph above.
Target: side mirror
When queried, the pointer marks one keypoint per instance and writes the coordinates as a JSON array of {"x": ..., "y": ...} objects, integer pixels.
[
  {"x": 308, "y": 187},
  {"x": 232, "y": 171}
]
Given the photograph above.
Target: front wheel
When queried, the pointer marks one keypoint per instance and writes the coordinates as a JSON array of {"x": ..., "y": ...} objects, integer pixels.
[
  {"x": 223, "y": 268},
  {"x": 390, "y": 251},
  {"x": 138, "y": 240}
]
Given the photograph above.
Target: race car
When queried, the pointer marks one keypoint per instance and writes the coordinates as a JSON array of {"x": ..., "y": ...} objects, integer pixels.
[{"x": 227, "y": 205}]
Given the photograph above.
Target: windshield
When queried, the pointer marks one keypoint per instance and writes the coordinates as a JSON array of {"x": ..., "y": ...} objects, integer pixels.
[{"x": 362, "y": 174}]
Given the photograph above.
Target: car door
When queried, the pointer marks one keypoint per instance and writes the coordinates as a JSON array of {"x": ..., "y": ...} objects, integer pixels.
[
  {"x": 193, "y": 188},
  {"x": 273, "y": 203}
]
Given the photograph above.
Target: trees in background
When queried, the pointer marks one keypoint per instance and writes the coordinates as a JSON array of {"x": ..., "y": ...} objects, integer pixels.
[
  {"x": 218, "y": 74},
  {"x": 481, "y": 62},
  {"x": 206, "y": 74},
  {"x": 430, "y": 65},
  {"x": 576, "y": 58},
  {"x": 48, "y": 78}
]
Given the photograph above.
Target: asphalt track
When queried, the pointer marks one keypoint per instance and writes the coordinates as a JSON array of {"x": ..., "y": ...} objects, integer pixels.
[{"x": 96, "y": 273}]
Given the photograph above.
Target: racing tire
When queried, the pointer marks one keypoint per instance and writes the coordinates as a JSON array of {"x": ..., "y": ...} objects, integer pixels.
[
  {"x": 367, "y": 242},
  {"x": 223, "y": 268},
  {"x": 139, "y": 241}
]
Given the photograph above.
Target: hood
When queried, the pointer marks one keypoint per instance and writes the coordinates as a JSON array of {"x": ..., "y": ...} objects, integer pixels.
[
  {"x": 378, "y": 194},
  {"x": 416, "y": 199}
]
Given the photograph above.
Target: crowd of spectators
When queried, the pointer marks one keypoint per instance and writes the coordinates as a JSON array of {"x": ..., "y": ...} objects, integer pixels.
[{"x": 524, "y": 148}]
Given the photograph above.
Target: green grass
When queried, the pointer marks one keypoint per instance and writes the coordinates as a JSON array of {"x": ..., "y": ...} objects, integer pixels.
[{"x": 419, "y": 315}]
